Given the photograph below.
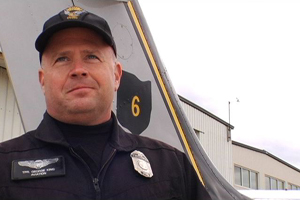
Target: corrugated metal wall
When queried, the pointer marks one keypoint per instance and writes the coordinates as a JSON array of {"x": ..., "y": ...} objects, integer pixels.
[
  {"x": 10, "y": 120},
  {"x": 213, "y": 138}
]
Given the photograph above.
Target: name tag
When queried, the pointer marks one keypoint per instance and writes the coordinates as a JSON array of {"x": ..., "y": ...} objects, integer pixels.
[{"x": 40, "y": 168}]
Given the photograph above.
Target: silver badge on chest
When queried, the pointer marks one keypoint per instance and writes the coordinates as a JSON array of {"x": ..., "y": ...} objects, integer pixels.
[{"x": 141, "y": 164}]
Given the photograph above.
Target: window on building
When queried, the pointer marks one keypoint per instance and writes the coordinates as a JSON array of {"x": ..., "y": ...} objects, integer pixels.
[
  {"x": 293, "y": 187},
  {"x": 280, "y": 185},
  {"x": 253, "y": 180},
  {"x": 274, "y": 183},
  {"x": 245, "y": 177},
  {"x": 237, "y": 175},
  {"x": 268, "y": 186}
]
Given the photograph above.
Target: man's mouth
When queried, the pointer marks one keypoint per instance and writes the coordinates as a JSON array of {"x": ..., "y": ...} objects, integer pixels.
[{"x": 80, "y": 88}]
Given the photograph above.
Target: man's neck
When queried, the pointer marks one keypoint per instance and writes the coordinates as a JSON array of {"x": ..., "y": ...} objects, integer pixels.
[{"x": 83, "y": 119}]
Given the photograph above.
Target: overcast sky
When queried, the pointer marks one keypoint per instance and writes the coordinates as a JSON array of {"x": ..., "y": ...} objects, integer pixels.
[{"x": 221, "y": 51}]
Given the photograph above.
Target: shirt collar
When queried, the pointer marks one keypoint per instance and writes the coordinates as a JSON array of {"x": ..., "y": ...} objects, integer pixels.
[{"x": 48, "y": 131}]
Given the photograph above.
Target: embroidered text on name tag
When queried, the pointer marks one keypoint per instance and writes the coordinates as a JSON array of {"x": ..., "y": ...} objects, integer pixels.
[{"x": 29, "y": 169}]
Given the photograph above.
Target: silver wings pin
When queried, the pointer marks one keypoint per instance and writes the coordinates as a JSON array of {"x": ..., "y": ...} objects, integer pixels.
[{"x": 37, "y": 164}]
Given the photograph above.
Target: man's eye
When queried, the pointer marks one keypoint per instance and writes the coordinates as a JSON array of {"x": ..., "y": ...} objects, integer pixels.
[
  {"x": 62, "y": 59},
  {"x": 92, "y": 57}
]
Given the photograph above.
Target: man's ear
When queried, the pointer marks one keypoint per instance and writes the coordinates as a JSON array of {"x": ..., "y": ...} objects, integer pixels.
[
  {"x": 41, "y": 79},
  {"x": 118, "y": 75}
]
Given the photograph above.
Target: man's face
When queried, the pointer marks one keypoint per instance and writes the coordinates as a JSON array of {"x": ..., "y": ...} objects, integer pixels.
[{"x": 79, "y": 77}]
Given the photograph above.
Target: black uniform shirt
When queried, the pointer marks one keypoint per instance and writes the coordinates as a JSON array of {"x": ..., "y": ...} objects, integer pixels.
[
  {"x": 173, "y": 175},
  {"x": 88, "y": 141}
]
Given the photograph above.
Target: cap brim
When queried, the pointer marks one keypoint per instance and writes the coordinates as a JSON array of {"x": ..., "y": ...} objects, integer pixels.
[{"x": 42, "y": 40}]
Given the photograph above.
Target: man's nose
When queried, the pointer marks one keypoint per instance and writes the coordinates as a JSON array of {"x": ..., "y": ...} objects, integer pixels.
[{"x": 78, "y": 70}]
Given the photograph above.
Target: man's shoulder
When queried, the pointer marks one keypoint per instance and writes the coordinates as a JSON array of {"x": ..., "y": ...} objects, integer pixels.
[{"x": 22, "y": 143}]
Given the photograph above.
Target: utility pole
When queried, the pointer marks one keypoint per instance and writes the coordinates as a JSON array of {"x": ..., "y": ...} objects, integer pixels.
[{"x": 228, "y": 129}]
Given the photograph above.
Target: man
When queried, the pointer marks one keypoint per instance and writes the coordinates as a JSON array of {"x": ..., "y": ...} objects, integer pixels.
[{"x": 79, "y": 151}]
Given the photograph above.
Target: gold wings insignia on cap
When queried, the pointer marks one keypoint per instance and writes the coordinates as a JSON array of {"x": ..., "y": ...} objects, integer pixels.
[
  {"x": 73, "y": 12},
  {"x": 37, "y": 164}
]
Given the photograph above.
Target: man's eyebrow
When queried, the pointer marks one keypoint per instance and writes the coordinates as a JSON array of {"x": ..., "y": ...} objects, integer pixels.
[
  {"x": 85, "y": 51},
  {"x": 58, "y": 54}
]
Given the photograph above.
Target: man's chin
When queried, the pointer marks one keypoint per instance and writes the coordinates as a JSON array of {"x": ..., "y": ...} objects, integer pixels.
[{"x": 77, "y": 107}]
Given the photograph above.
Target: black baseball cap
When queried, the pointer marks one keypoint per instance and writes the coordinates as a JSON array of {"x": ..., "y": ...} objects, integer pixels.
[{"x": 74, "y": 17}]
